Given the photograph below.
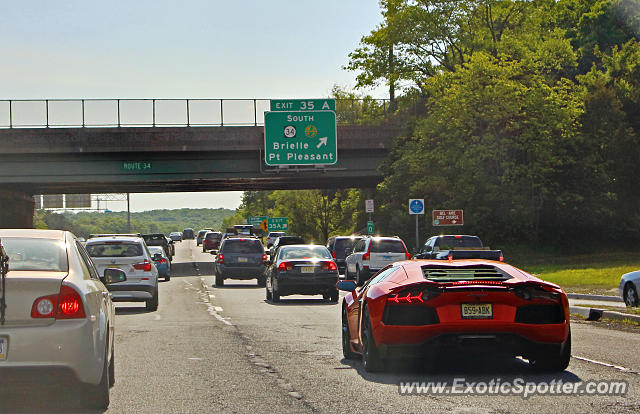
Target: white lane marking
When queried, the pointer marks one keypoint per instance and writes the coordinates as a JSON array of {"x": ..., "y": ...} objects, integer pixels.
[
  {"x": 218, "y": 308},
  {"x": 606, "y": 364},
  {"x": 157, "y": 317},
  {"x": 213, "y": 310},
  {"x": 194, "y": 359}
]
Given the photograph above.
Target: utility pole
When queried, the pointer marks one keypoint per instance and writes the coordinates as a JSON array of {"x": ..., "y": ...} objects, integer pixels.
[{"x": 128, "y": 214}]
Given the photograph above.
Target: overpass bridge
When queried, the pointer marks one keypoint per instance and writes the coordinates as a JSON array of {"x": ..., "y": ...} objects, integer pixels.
[{"x": 150, "y": 156}]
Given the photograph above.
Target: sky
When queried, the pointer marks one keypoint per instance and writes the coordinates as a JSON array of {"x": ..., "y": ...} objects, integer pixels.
[{"x": 187, "y": 49}]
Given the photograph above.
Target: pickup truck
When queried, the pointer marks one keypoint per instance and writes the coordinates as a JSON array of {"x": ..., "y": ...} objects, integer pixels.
[{"x": 452, "y": 247}]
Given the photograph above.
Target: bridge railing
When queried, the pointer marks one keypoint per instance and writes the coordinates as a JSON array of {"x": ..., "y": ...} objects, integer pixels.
[{"x": 85, "y": 113}]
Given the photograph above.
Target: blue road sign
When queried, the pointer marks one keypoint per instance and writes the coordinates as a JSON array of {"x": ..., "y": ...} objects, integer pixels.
[{"x": 416, "y": 206}]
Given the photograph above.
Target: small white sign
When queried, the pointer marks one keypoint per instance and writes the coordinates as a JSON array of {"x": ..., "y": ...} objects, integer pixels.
[
  {"x": 368, "y": 205},
  {"x": 416, "y": 206},
  {"x": 290, "y": 131}
]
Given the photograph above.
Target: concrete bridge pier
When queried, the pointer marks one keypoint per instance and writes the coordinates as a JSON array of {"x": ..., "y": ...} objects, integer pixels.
[{"x": 16, "y": 210}]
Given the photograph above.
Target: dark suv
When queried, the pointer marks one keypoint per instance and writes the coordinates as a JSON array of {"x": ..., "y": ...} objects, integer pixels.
[
  {"x": 158, "y": 239},
  {"x": 240, "y": 258},
  {"x": 341, "y": 247}
]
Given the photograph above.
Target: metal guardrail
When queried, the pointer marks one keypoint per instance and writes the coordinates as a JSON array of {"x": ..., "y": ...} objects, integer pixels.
[{"x": 89, "y": 113}]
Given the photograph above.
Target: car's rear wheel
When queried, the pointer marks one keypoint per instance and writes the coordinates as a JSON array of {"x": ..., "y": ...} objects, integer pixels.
[
  {"x": 152, "y": 304},
  {"x": 347, "y": 352},
  {"x": 370, "y": 356},
  {"x": 203, "y": 249},
  {"x": 630, "y": 295},
  {"x": 553, "y": 362},
  {"x": 112, "y": 368},
  {"x": 97, "y": 396},
  {"x": 262, "y": 281},
  {"x": 268, "y": 294},
  {"x": 219, "y": 280},
  {"x": 167, "y": 277},
  {"x": 359, "y": 277},
  {"x": 333, "y": 296},
  {"x": 275, "y": 293}
]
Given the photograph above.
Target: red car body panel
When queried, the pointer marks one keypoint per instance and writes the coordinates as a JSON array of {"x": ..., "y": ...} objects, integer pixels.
[{"x": 448, "y": 306}]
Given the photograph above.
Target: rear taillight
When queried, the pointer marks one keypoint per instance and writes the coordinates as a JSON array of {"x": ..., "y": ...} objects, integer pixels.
[
  {"x": 329, "y": 266},
  {"x": 144, "y": 266},
  {"x": 264, "y": 257},
  {"x": 536, "y": 292},
  {"x": 407, "y": 255},
  {"x": 220, "y": 258},
  {"x": 413, "y": 295},
  {"x": 334, "y": 255},
  {"x": 285, "y": 266},
  {"x": 65, "y": 305},
  {"x": 163, "y": 260},
  {"x": 501, "y": 258},
  {"x": 366, "y": 256}
]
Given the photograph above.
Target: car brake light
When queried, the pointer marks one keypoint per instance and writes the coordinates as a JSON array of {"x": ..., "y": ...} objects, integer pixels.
[
  {"x": 366, "y": 256},
  {"x": 501, "y": 258},
  {"x": 407, "y": 255},
  {"x": 264, "y": 257},
  {"x": 450, "y": 257},
  {"x": 163, "y": 260},
  {"x": 144, "y": 266},
  {"x": 334, "y": 255},
  {"x": 285, "y": 266},
  {"x": 329, "y": 266},
  {"x": 414, "y": 295},
  {"x": 536, "y": 292},
  {"x": 65, "y": 305},
  {"x": 220, "y": 258}
]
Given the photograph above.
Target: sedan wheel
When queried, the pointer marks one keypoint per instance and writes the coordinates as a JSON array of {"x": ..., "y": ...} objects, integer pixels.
[
  {"x": 97, "y": 396},
  {"x": 630, "y": 295},
  {"x": 152, "y": 304},
  {"x": 370, "y": 356},
  {"x": 549, "y": 362},
  {"x": 275, "y": 293}
]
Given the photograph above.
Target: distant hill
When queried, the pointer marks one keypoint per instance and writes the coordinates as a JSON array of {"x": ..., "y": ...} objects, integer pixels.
[{"x": 154, "y": 221}]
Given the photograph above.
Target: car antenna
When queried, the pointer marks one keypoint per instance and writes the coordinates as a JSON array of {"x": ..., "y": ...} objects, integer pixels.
[{"x": 4, "y": 269}]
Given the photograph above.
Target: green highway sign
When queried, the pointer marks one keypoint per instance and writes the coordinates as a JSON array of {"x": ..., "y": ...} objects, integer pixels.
[
  {"x": 136, "y": 165},
  {"x": 278, "y": 224},
  {"x": 370, "y": 227},
  {"x": 300, "y": 138},
  {"x": 255, "y": 221},
  {"x": 303, "y": 105}
]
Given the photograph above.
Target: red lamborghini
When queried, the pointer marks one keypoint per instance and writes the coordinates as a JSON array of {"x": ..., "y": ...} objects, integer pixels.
[{"x": 431, "y": 308}]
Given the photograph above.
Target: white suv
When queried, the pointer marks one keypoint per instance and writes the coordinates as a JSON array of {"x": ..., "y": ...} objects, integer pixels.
[
  {"x": 131, "y": 255},
  {"x": 372, "y": 254}
]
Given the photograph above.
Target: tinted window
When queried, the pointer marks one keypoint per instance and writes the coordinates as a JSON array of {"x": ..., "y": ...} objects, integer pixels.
[
  {"x": 114, "y": 249},
  {"x": 304, "y": 252},
  {"x": 342, "y": 244},
  {"x": 449, "y": 242},
  {"x": 242, "y": 246},
  {"x": 213, "y": 236},
  {"x": 383, "y": 275},
  {"x": 153, "y": 250},
  {"x": 387, "y": 246},
  {"x": 36, "y": 254}
]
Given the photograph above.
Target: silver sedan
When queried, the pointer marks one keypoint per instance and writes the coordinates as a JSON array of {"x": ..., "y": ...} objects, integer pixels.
[
  {"x": 59, "y": 317},
  {"x": 629, "y": 285}
]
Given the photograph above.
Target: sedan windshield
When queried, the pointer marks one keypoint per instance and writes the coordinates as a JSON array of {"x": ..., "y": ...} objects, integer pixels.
[{"x": 36, "y": 254}]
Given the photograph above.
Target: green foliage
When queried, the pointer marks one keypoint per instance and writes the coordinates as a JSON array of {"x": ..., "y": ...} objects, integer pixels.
[{"x": 156, "y": 221}]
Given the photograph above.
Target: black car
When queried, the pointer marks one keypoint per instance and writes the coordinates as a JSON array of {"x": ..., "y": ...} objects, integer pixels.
[
  {"x": 240, "y": 258},
  {"x": 284, "y": 241},
  {"x": 187, "y": 234},
  {"x": 340, "y": 247},
  {"x": 302, "y": 269}
]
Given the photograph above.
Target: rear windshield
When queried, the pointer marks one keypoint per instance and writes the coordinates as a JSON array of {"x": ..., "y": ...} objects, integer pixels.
[
  {"x": 289, "y": 240},
  {"x": 36, "y": 254},
  {"x": 451, "y": 242},
  {"x": 153, "y": 250},
  {"x": 439, "y": 273},
  {"x": 114, "y": 249},
  {"x": 211, "y": 236},
  {"x": 387, "y": 246},
  {"x": 304, "y": 252},
  {"x": 242, "y": 246},
  {"x": 342, "y": 244}
]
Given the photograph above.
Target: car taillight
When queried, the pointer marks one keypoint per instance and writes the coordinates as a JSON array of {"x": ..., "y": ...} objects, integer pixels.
[
  {"x": 415, "y": 295},
  {"x": 220, "y": 258},
  {"x": 329, "y": 266},
  {"x": 536, "y": 292},
  {"x": 144, "y": 266},
  {"x": 163, "y": 260},
  {"x": 334, "y": 255},
  {"x": 407, "y": 255},
  {"x": 285, "y": 266},
  {"x": 65, "y": 305},
  {"x": 501, "y": 258},
  {"x": 264, "y": 257},
  {"x": 366, "y": 256}
]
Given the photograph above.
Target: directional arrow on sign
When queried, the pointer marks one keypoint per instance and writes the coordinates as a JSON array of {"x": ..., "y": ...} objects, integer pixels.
[
  {"x": 323, "y": 141},
  {"x": 454, "y": 221}
]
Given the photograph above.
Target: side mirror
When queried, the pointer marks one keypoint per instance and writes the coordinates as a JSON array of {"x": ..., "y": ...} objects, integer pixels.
[
  {"x": 213, "y": 252},
  {"x": 346, "y": 285},
  {"x": 113, "y": 276}
]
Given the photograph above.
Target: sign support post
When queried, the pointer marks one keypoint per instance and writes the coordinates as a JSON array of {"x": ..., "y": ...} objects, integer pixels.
[{"x": 416, "y": 207}]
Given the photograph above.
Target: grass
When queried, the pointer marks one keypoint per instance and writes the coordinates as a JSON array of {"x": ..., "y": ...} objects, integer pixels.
[{"x": 597, "y": 273}]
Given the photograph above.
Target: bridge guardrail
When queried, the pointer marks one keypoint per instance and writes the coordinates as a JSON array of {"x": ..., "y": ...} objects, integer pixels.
[{"x": 148, "y": 112}]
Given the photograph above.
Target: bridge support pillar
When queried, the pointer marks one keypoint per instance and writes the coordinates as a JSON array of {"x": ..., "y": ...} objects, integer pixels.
[{"x": 16, "y": 210}]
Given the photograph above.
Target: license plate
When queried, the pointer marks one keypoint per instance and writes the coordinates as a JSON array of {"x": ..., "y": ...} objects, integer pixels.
[
  {"x": 4, "y": 344},
  {"x": 242, "y": 260},
  {"x": 387, "y": 257},
  {"x": 307, "y": 269},
  {"x": 477, "y": 311}
]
